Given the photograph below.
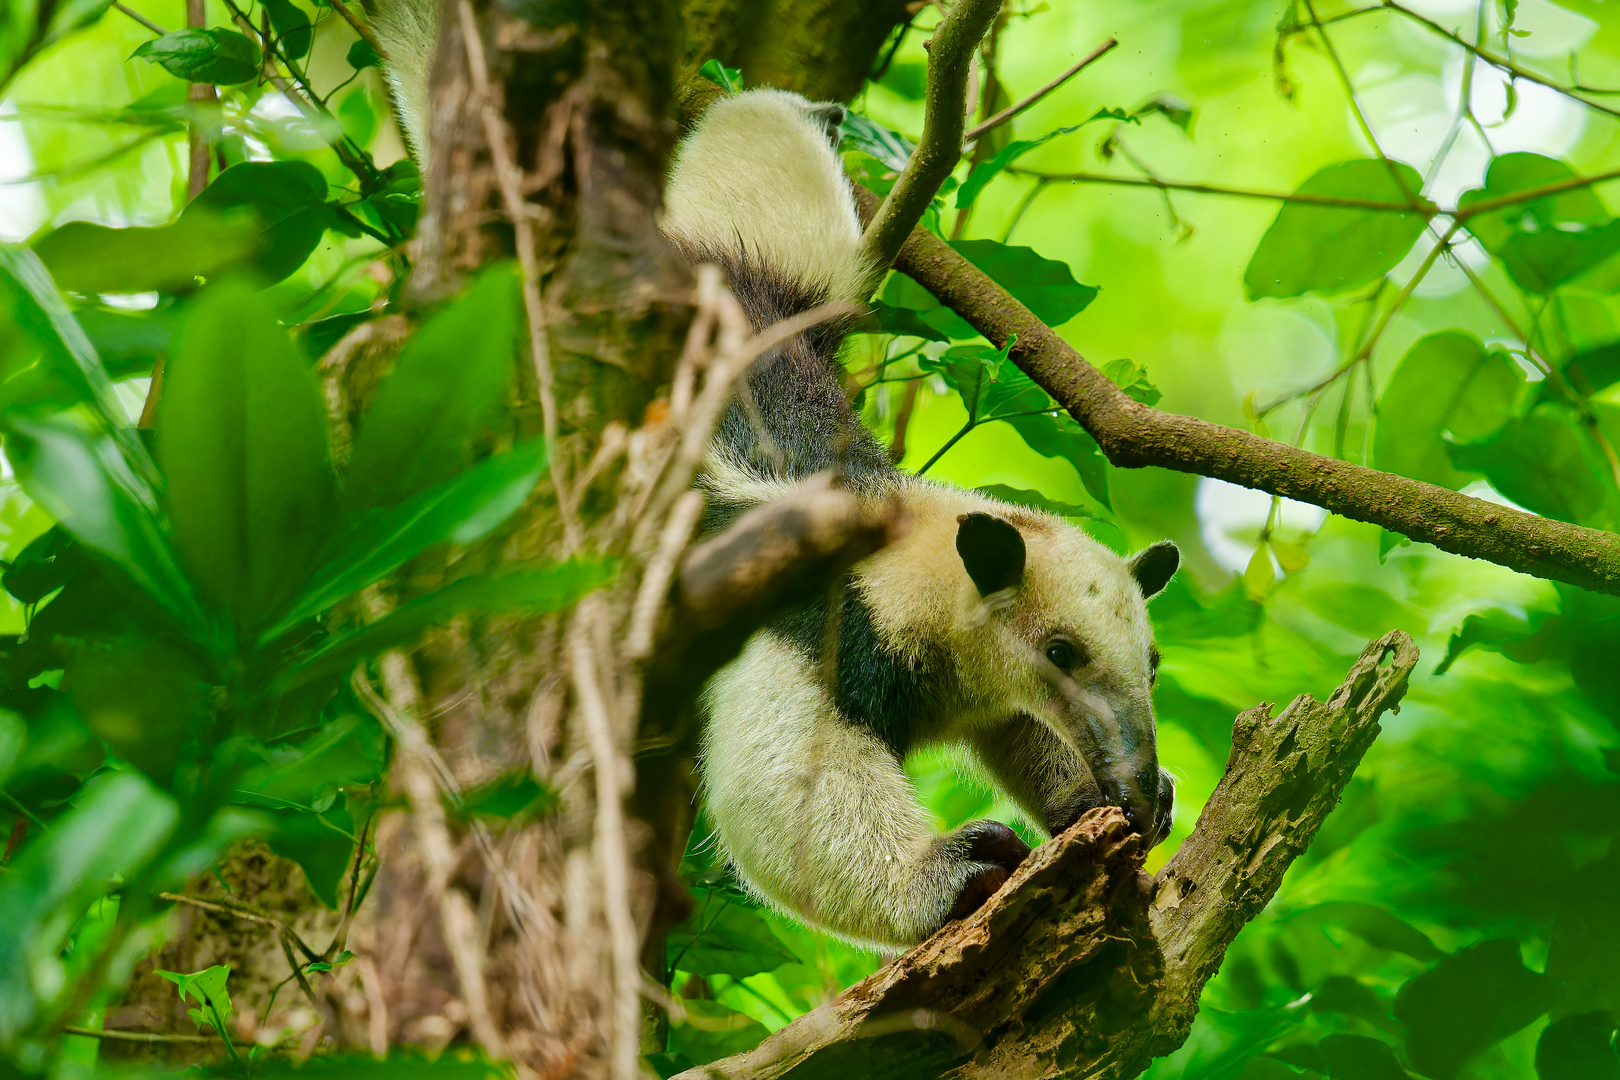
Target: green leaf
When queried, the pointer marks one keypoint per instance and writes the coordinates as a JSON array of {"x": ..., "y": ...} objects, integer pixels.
[
  {"x": 289, "y": 200},
  {"x": 143, "y": 697},
  {"x": 351, "y": 750},
  {"x": 37, "y": 307},
  {"x": 361, "y": 56},
  {"x": 529, "y": 593},
  {"x": 1448, "y": 384},
  {"x": 1578, "y": 1047},
  {"x": 869, "y": 137},
  {"x": 293, "y": 28},
  {"x": 1515, "y": 635},
  {"x": 129, "y": 343},
  {"x": 1045, "y": 286},
  {"x": 1060, "y": 436},
  {"x": 512, "y": 795},
  {"x": 90, "y": 258},
  {"x": 13, "y": 738},
  {"x": 1544, "y": 242},
  {"x": 460, "y": 510},
  {"x": 1466, "y": 1003},
  {"x": 907, "y": 322},
  {"x": 204, "y": 56},
  {"x": 727, "y": 79},
  {"x": 82, "y": 479},
  {"x": 730, "y": 941},
  {"x": 321, "y": 844},
  {"x": 1594, "y": 369},
  {"x": 241, "y": 436},
  {"x": 901, "y": 292},
  {"x": 1131, "y": 377},
  {"x": 713, "y": 1031},
  {"x": 1038, "y": 501},
  {"x": 1542, "y": 462},
  {"x": 443, "y": 391},
  {"x": 1356, "y": 1057},
  {"x": 207, "y": 988},
  {"x": 988, "y": 170},
  {"x": 1376, "y": 926},
  {"x": 1329, "y": 249},
  {"x": 118, "y": 823}
]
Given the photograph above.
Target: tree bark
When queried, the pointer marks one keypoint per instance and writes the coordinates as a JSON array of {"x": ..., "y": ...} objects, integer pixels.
[{"x": 1082, "y": 965}]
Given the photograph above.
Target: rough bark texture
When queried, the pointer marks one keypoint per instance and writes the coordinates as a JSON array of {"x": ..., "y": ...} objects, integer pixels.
[
  {"x": 1134, "y": 435},
  {"x": 822, "y": 49},
  {"x": 1082, "y": 965}
]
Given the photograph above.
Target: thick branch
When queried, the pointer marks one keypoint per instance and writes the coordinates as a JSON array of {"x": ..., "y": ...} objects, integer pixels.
[
  {"x": 950, "y": 57},
  {"x": 1081, "y": 965},
  {"x": 777, "y": 554},
  {"x": 1133, "y": 436}
]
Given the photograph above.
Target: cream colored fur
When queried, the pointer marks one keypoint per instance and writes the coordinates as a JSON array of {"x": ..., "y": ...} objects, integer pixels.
[
  {"x": 757, "y": 171},
  {"x": 817, "y": 815},
  {"x": 407, "y": 29}
]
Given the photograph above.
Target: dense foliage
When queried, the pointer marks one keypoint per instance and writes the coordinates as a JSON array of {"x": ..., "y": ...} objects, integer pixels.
[{"x": 189, "y": 614}]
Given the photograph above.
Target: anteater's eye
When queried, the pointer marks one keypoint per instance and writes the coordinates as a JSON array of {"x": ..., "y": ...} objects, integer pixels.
[{"x": 1065, "y": 655}]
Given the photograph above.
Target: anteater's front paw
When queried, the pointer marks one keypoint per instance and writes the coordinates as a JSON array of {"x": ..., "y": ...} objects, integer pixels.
[{"x": 993, "y": 852}]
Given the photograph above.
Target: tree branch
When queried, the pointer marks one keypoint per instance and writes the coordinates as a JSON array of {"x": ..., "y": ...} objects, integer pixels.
[
  {"x": 1081, "y": 965},
  {"x": 1013, "y": 110},
  {"x": 1133, "y": 436},
  {"x": 950, "y": 57}
]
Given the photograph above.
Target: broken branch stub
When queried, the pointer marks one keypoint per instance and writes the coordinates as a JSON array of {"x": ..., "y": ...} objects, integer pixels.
[{"x": 1082, "y": 965}]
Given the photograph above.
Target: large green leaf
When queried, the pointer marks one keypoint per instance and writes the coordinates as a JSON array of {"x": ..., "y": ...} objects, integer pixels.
[
  {"x": 1447, "y": 384},
  {"x": 118, "y": 824},
  {"x": 263, "y": 215},
  {"x": 241, "y": 436},
  {"x": 460, "y": 510},
  {"x": 1544, "y": 242},
  {"x": 441, "y": 395},
  {"x": 38, "y": 308},
  {"x": 723, "y": 938},
  {"x": 1542, "y": 462},
  {"x": 143, "y": 697},
  {"x": 532, "y": 593},
  {"x": 1467, "y": 1002},
  {"x": 128, "y": 342},
  {"x": 1356, "y": 1057},
  {"x": 1328, "y": 249},
  {"x": 293, "y": 27},
  {"x": 83, "y": 480},
  {"x": 1045, "y": 286},
  {"x": 1579, "y": 1047},
  {"x": 215, "y": 55}
]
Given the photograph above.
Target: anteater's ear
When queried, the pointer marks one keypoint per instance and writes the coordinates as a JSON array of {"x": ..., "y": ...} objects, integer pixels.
[
  {"x": 1154, "y": 566},
  {"x": 992, "y": 550}
]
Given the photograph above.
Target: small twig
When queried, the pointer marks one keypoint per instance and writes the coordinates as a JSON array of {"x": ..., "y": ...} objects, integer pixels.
[
  {"x": 1011, "y": 111},
  {"x": 655, "y": 581},
  {"x": 950, "y": 55},
  {"x": 236, "y": 912},
  {"x": 1499, "y": 62},
  {"x": 625, "y": 1035},
  {"x": 135, "y": 1036},
  {"x": 144, "y": 21},
  {"x": 365, "y": 32}
]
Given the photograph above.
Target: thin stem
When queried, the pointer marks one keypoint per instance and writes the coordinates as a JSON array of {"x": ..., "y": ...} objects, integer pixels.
[
  {"x": 134, "y": 1036},
  {"x": 1378, "y": 331},
  {"x": 952, "y": 441},
  {"x": 1355, "y": 108},
  {"x": 142, "y": 19},
  {"x": 1501, "y": 63},
  {"x": 1008, "y": 113},
  {"x": 360, "y": 28},
  {"x": 1023, "y": 208}
]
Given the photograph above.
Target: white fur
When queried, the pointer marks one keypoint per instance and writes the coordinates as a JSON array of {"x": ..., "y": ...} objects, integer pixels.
[
  {"x": 816, "y": 813},
  {"x": 407, "y": 29},
  {"x": 757, "y": 175}
]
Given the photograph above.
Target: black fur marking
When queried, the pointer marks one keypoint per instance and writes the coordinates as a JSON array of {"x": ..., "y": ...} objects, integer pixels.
[
  {"x": 876, "y": 689},
  {"x": 805, "y": 422},
  {"x": 992, "y": 550},
  {"x": 985, "y": 842},
  {"x": 1154, "y": 566}
]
